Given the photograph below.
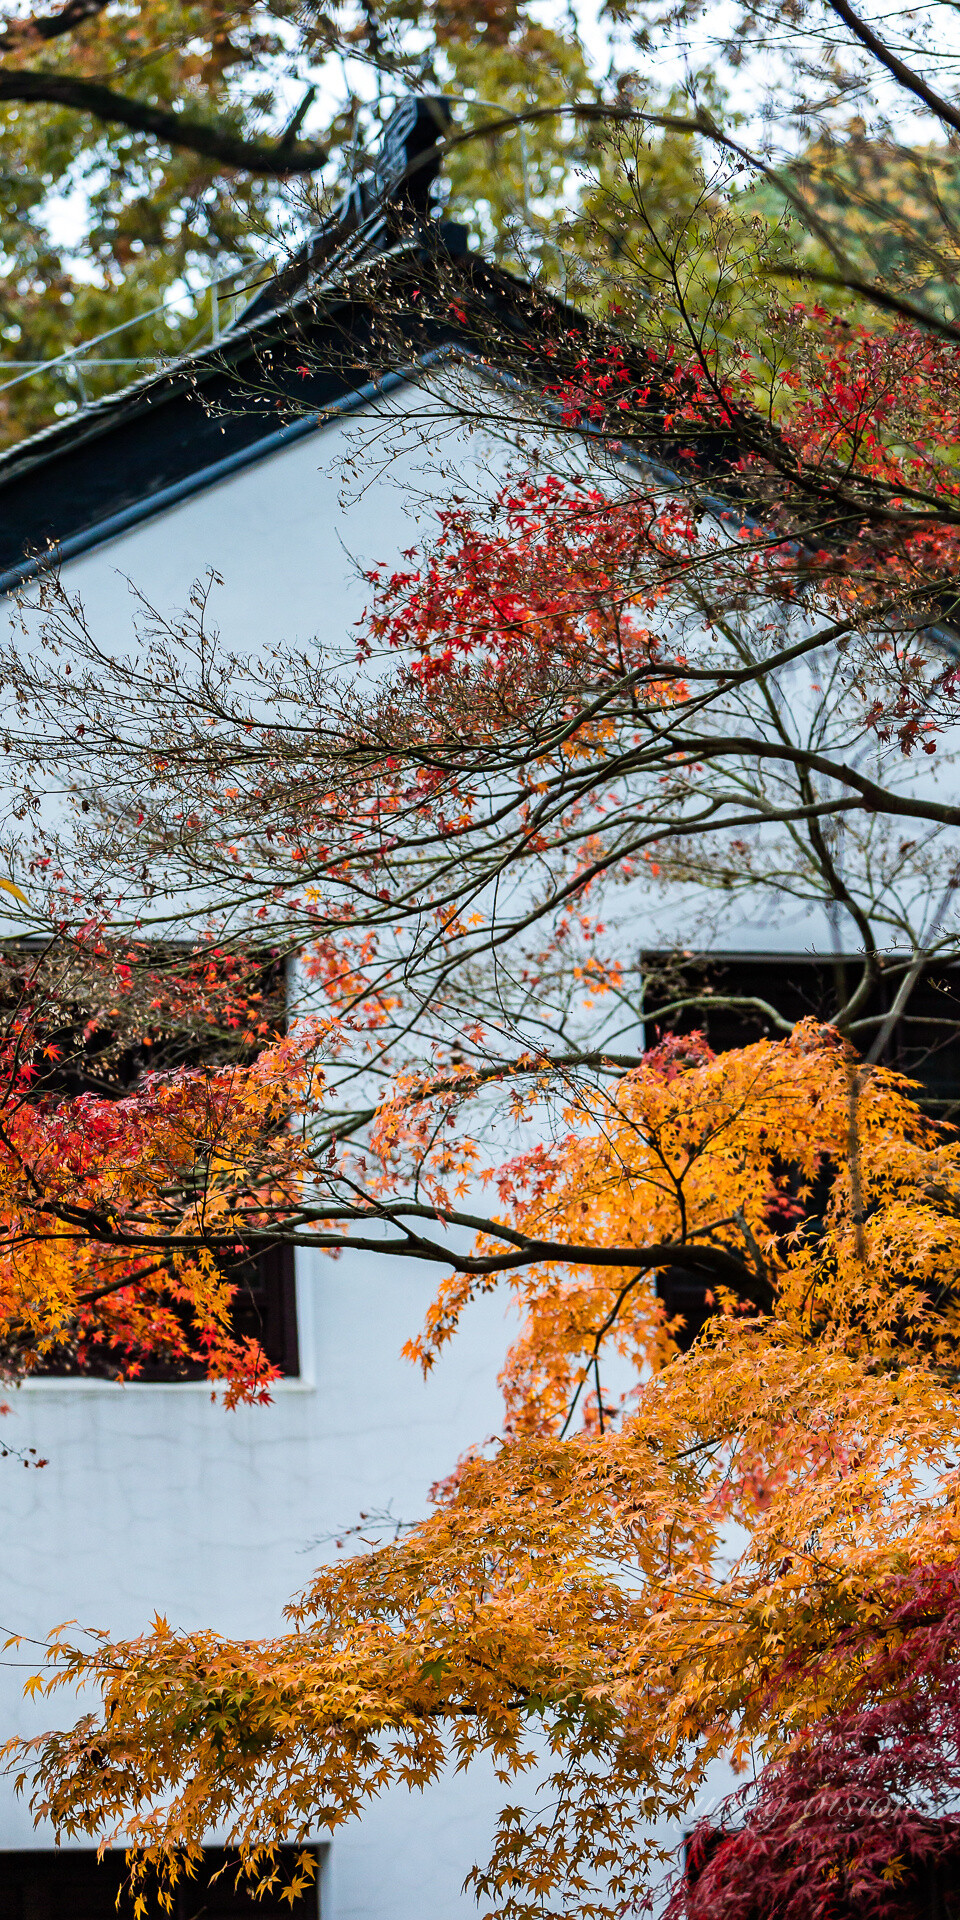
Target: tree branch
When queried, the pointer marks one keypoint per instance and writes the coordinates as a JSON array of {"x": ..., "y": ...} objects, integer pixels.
[
  {"x": 48, "y": 26},
  {"x": 903, "y": 74},
  {"x": 273, "y": 160},
  {"x": 869, "y": 290}
]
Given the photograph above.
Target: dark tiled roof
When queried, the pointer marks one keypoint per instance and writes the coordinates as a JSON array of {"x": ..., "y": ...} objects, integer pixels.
[
  {"x": 345, "y": 326},
  {"x": 122, "y": 456}
]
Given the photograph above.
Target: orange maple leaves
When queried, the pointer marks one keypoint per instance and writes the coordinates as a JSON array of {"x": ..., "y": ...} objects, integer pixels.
[
  {"x": 618, "y": 1608},
  {"x": 778, "y": 1177}
]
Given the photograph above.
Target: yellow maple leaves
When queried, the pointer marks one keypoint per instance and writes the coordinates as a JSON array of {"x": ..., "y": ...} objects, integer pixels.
[
  {"x": 603, "y": 1615},
  {"x": 780, "y": 1178}
]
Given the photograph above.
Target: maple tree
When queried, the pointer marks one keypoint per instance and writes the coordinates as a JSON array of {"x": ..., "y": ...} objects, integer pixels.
[
  {"x": 588, "y": 1586},
  {"x": 160, "y": 1151},
  {"x": 728, "y": 672},
  {"x": 574, "y": 1207},
  {"x": 866, "y": 1808},
  {"x": 554, "y": 707},
  {"x": 785, "y": 1178}
]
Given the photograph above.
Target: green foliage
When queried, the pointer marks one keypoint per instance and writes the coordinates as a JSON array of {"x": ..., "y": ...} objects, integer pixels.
[
  {"x": 150, "y": 220},
  {"x": 555, "y": 200},
  {"x": 892, "y": 213}
]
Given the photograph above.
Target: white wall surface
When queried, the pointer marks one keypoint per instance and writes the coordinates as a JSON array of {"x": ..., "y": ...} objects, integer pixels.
[
  {"x": 155, "y": 1498},
  {"x": 289, "y": 533}
]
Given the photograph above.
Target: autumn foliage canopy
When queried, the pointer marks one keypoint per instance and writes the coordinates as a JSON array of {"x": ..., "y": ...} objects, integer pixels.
[{"x": 588, "y": 690}]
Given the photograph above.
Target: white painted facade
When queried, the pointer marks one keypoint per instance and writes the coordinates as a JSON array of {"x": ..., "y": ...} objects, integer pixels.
[{"x": 155, "y": 1497}]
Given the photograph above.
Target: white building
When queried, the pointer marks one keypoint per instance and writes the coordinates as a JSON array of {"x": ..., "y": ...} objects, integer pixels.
[{"x": 154, "y": 1497}]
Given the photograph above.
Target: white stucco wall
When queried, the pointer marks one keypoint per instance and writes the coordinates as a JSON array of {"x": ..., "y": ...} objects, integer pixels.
[
  {"x": 154, "y": 1497},
  {"x": 157, "y": 1498},
  {"x": 288, "y": 533}
]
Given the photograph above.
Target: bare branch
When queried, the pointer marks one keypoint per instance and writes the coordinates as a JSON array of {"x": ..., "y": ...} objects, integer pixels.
[
  {"x": 877, "y": 296},
  {"x": 904, "y": 75},
  {"x": 48, "y": 26},
  {"x": 274, "y": 161}
]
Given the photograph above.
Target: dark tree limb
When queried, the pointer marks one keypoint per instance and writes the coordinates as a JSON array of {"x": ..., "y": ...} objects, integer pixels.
[
  {"x": 878, "y": 296},
  {"x": 905, "y": 76},
  {"x": 274, "y": 160},
  {"x": 48, "y": 26}
]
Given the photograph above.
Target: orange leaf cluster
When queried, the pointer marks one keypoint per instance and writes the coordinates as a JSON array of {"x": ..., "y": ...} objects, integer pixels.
[{"x": 604, "y": 1614}]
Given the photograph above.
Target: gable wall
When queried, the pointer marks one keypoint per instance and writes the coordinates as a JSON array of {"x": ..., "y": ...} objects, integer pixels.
[{"x": 154, "y": 1497}]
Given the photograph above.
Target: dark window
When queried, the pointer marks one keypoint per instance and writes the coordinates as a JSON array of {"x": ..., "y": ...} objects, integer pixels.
[
  {"x": 78, "y": 1886},
  {"x": 264, "y": 1309},
  {"x": 925, "y": 1043},
  {"x": 108, "y": 1061},
  {"x": 93, "y": 1033},
  {"x": 683, "y": 1295}
]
